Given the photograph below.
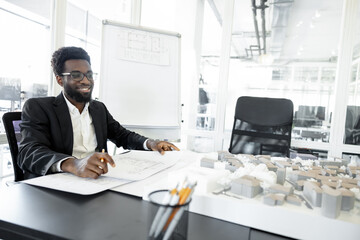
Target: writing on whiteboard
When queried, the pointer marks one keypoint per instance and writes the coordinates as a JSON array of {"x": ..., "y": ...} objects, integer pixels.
[{"x": 143, "y": 47}]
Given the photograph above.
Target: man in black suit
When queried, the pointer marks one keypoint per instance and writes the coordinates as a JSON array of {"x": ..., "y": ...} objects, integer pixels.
[{"x": 67, "y": 133}]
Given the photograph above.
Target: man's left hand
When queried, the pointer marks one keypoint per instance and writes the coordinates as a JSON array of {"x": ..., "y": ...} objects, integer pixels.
[{"x": 161, "y": 146}]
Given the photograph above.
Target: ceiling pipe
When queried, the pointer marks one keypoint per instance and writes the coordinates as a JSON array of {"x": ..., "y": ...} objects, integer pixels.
[
  {"x": 256, "y": 24},
  {"x": 263, "y": 7}
]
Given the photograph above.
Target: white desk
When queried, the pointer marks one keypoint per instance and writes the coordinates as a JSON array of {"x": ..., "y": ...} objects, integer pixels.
[
  {"x": 159, "y": 180},
  {"x": 287, "y": 220}
]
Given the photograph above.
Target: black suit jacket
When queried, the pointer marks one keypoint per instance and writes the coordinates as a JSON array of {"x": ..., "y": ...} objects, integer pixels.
[{"x": 47, "y": 134}]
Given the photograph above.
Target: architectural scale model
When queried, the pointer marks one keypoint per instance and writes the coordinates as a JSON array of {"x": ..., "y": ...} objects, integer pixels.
[{"x": 332, "y": 186}]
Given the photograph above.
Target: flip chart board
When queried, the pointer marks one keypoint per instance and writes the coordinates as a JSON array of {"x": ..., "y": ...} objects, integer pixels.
[{"x": 140, "y": 79}]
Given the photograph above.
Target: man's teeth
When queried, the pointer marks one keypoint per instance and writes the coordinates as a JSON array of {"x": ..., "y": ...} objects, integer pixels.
[{"x": 85, "y": 89}]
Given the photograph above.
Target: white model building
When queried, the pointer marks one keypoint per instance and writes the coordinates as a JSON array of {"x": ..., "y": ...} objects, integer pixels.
[
  {"x": 233, "y": 161},
  {"x": 313, "y": 193},
  {"x": 348, "y": 199},
  {"x": 299, "y": 185},
  {"x": 292, "y": 199},
  {"x": 301, "y": 175},
  {"x": 274, "y": 199},
  {"x": 339, "y": 163},
  {"x": 331, "y": 202},
  {"x": 283, "y": 164},
  {"x": 246, "y": 186},
  {"x": 207, "y": 162},
  {"x": 280, "y": 176},
  {"x": 277, "y": 188},
  {"x": 222, "y": 155},
  {"x": 268, "y": 164}
]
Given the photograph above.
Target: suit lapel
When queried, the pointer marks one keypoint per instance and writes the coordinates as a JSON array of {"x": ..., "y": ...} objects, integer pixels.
[
  {"x": 63, "y": 115},
  {"x": 97, "y": 120}
]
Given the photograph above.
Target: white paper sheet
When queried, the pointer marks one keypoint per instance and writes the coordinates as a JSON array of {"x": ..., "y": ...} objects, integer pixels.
[
  {"x": 138, "y": 165},
  {"x": 160, "y": 180},
  {"x": 130, "y": 166},
  {"x": 70, "y": 183}
]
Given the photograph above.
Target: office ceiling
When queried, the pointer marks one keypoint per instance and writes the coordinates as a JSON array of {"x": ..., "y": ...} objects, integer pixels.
[
  {"x": 104, "y": 9},
  {"x": 296, "y": 30}
]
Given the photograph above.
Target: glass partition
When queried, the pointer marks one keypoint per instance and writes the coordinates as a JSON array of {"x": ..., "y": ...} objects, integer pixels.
[
  {"x": 285, "y": 64},
  {"x": 352, "y": 120},
  {"x": 84, "y": 30}
]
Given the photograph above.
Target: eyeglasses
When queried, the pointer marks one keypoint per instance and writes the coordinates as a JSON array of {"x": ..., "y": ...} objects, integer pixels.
[{"x": 79, "y": 76}]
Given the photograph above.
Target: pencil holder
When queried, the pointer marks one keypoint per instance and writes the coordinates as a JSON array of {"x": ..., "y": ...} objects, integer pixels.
[{"x": 167, "y": 218}]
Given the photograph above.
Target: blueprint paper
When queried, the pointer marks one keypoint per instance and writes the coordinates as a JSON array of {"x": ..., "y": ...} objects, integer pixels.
[
  {"x": 131, "y": 166},
  {"x": 68, "y": 182},
  {"x": 138, "y": 165}
]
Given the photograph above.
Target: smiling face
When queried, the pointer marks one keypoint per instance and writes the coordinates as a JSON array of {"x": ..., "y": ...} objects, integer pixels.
[{"x": 77, "y": 92}]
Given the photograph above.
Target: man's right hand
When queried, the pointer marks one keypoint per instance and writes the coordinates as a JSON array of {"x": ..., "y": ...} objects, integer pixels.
[{"x": 89, "y": 167}]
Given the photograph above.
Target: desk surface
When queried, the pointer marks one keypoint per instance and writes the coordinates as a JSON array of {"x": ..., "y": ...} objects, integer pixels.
[{"x": 28, "y": 212}]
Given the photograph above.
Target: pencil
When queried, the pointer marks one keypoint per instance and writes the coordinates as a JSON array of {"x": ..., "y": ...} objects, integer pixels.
[
  {"x": 162, "y": 209},
  {"x": 182, "y": 199},
  {"x": 177, "y": 213},
  {"x": 174, "y": 200},
  {"x": 102, "y": 159}
]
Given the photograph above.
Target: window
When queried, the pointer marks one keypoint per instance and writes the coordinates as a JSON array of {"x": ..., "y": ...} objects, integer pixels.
[
  {"x": 84, "y": 30},
  {"x": 352, "y": 121},
  {"x": 84, "y": 23},
  {"x": 294, "y": 61},
  {"x": 300, "y": 74},
  {"x": 24, "y": 60},
  {"x": 209, "y": 71},
  {"x": 182, "y": 17}
]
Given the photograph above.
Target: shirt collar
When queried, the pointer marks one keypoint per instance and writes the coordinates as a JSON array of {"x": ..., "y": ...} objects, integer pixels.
[{"x": 72, "y": 108}]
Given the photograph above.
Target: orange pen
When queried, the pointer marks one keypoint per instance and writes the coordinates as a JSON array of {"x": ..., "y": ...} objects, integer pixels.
[
  {"x": 184, "y": 194},
  {"x": 102, "y": 159}
]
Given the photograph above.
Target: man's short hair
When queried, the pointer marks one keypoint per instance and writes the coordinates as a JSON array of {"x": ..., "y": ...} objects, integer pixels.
[{"x": 67, "y": 53}]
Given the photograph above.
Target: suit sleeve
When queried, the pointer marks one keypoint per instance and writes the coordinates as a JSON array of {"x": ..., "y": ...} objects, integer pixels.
[
  {"x": 121, "y": 136},
  {"x": 36, "y": 153}
]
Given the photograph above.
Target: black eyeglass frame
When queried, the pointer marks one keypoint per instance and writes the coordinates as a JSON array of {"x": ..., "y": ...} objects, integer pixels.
[{"x": 89, "y": 77}]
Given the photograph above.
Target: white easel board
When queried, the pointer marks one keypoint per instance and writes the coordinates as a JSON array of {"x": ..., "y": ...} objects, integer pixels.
[{"x": 140, "y": 79}]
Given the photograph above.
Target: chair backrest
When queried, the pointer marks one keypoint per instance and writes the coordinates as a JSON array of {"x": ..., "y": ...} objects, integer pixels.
[
  {"x": 262, "y": 126},
  {"x": 11, "y": 122}
]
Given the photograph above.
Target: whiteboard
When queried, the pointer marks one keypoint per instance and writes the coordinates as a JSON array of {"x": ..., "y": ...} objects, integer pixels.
[{"x": 140, "y": 78}]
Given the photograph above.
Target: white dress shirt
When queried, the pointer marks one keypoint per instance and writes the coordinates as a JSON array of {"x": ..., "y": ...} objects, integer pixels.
[
  {"x": 84, "y": 142},
  {"x": 84, "y": 138}
]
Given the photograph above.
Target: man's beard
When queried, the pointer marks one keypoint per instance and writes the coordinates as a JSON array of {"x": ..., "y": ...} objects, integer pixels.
[{"x": 77, "y": 96}]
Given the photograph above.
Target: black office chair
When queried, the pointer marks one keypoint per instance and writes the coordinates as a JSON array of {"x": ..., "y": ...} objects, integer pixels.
[
  {"x": 11, "y": 122},
  {"x": 262, "y": 126}
]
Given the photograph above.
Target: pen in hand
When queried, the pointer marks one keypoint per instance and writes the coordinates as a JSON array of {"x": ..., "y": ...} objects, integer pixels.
[{"x": 102, "y": 159}]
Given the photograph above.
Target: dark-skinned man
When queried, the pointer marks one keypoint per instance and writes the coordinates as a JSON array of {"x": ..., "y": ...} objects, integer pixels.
[{"x": 69, "y": 133}]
